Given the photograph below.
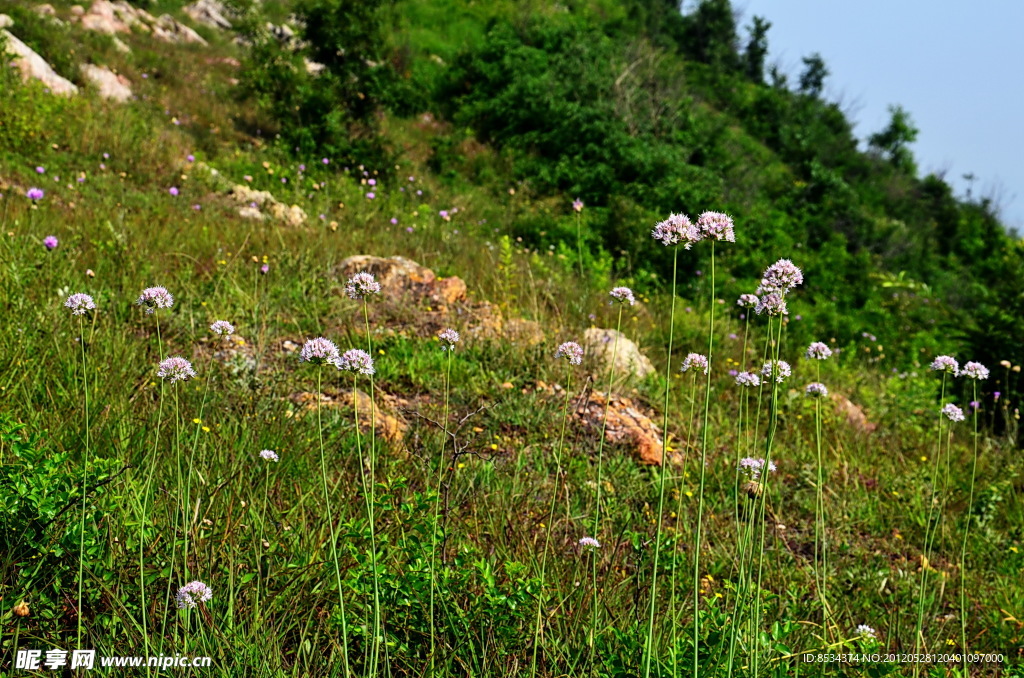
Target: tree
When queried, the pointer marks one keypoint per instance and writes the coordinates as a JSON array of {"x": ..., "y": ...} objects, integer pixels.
[
  {"x": 893, "y": 141},
  {"x": 757, "y": 49},
  {"x": 812, "y": 80},
  {"x": 710, "y": 35}
]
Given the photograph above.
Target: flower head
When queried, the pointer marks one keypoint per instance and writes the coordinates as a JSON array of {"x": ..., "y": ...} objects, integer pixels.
[
  {"x": 269, "y": 455},
  {"x": 817, "y": 390},
  {"x": 193, "y": 593},
  {"x": 776, "y": 369},
  {"x": 781, "y": 276},
  {"x": 318, "y": 351},
  {"x": 623, "y": 295},
  {"x": 773, "y": 303},
  {"x": 818, "y": 351},
  {"x": 866, "y": 632},
  {"x": 80, "y": 303},
  {"x": 264, "y": 269},
  {"x": 50, "y": 242},
  {"x": 571, "y": 351},
  {"x": 953, "y": 413},
  {"x": 356, "y": 361},
  {"x": 175, "y": 369},
  {"x": 449, "y": 338},
  {"x": 361, "y": 285},
  {"x": 747, "y": 301},
  {"x": 222, "y": 327},
  {"x": 590, "y": 543},
  {"x": 748, "y": 379},
  {"x": 753, "y": 467},
  {"x": 577, "y": 205},
  {"x": 973, "y": 370},
  {"x": 173, "y": 190},
  {"x": 155, "y": 297},
  {"x": 676, "y": 230},
  {"x": 35, "y": 193},
  {"x": 716, "y": 226},
  {"x": 945, "y": 363},
  {"x": 695, "y": 361}
]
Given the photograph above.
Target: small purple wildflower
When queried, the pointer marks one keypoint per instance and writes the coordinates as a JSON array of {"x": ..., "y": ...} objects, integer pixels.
[
  {"x": 995, "y": 396},
  {"x": 817, "y": 390},
  {"x": 753, "y": 467},
  {"x": 318, "y": 351},
  {"x": 326, "y": 161},
  {"x": 695, "y": 361},
  {"x": 945, "y": 363},
  {"x": 975, "y": 404},
  {"x": 264, "y": 269},
  {"x": 80, "y": 303},
  {"x": 716, "y": 226},
  {"x": 35, "y": 193},
  {"x": 222, "y": 327},
  {"x": 449, "y": 338},
  {"x": 356, "y": 361},
  {"x": 772, "y": 304},
  {"x": 173, "y": 190},
  {"x": 818, "y": 350},
  {"x": 155, "y": 297},
  {"x": 394, "y": 221},
  {"x": 747, "y": 301},
  {"x": 973, "y": 370},
  {"x": 269, "y": 455},
  {"x": 623, "y": 295},
  {"x": 676, "y": 230},
  {"x": 361, "y": 285},
  {"x": 777, "y": 369},
  {"x": 748, "y": 379},
  {"x": 372, "y": 182},
  {"x": 577, "y": 205},
  {"x": 953, "y": 413},
  {"x": 175, "y": 369},
  {"x": 589, "y": 543},
  {"x": 193, "y": 593},
  {"x": 190, "y": 158},
  {"x": 370, "y": 195},
  {"x": 781, "y": 276},
  {"x": 572, "y": 351},
  {"x": 40, "y": 170},
  {"x": 50, "y": 242}
]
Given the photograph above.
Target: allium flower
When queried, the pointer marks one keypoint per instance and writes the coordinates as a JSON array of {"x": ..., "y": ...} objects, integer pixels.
[
  {"x": 222, "y": 327},
  {"x": 269, "y": 455},
  {"x": 716, "y": 226},
  {"x": 748, "y": 379},
  {"x": 361, "y": 285},
  {"x": 318, "y": 351},
  {"x": 953, "y": 413},
  {"x": 866, "y": 632},
  {"x": 695, "y": 361},
  {"x": 753, "y": 467},
  {"x": 623, "y": 295},
  {"x": 80, "y": 303},
  {"x": 973, "y": 370},
  {"x": 193, "y": 593},
  {"x": 173, "y": 190},
  {"x": 818, "y": 351},
  {"x": 449, "y": 338},
  {"x": 577, "y": 205},
  {"x": 773, "y": 304},
  {"x": 572, "y": 351},
  {"x": 34, "y": 193},
  {"x": 781, "y": 276},
  {"x": 590, "y": 543},
  {"x": 676, "y": 230},
  {"x": 776, "y": 369},
  {"x": 50, "y": 242},
  {"x": 356, "y": 361},
  {"x": 816, "y": 390},
  {"x": 175, "y": 369},
  {"x": 945, "y": 363},
  {"x": 155, "y": 297},
  {"x": 747, "y": 301}
]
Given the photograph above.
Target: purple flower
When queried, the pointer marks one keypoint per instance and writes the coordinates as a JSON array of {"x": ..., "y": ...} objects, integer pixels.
[
  {"x": 50, "y": 242},
  {"x": 264, "y": 269},
  {"x": 747, "y": 301},
  {"x": 155, "y": 297},
  {"x": 695, "y": 361},
  {"x": 361, "y": 285},
  {"x": 370, "y": 195},
  {"x": 355, "y": 361},
  {"x": 995, "y": 396},
  {"x": 190, "y": 158},
  {"x": 571, "y": 351},
  {"x": 302, "y": 168},
  {"x": 394, "y": 221},
  {"x": 953, "y": 413},
  {"x": 716, "y": 226},
  {"x": 40, "y": 170},
  {"x": 753, "y": 467},
  {"x": 974, "y": 404},
  {"x": 589, "y": 543},
  {"x": 222, "y": 327},
  {"x": 444, "y": 215},
  {"x": 818, "y": 351},
  {"x": 412, "y": 178},
  {"x": 419, "y": 192},
  {"x": 816, "y": 390},
  {"x": 269, "y": 455},
  {"x": 372, "y": 182},
  {"x": 675, "y": 230},
  {"x": 973, "y": 370},
  {"x": 776, "y": 369},
  {"x": 577, "y": 205},
  {"x": 34, "y": 193},
  {"x": 326, "y": 161},
  {"x": 173, "y": 190},
  {"x": 772, "y": 304},
  {"x": 193, "y": 593},
  {"x": 449, "y": 338},
  {"x": 945, "y": 363},
  {"x": 781, "y": 277},
  {"x": 197, "y": 207},
  {"x": 80, "y": 303},
  {"x": 623, "y": 295},
  {"x": 318, "y": 351},
  {"x": 733, "y": 336},
  {"x": 408, "y": 229},
  {"x": 747, "y": 379},
  {"x": 175, "y": 369}
]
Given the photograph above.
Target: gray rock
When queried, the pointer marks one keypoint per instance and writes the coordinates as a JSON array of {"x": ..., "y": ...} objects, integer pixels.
[
  {"x": 32, "y": 65},
  {"x": 601, "y": 345},
  {"x": 109, "y": 84}
]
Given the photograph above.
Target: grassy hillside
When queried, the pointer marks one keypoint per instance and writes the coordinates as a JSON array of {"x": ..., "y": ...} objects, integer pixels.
[{"x": 452, "y": 526}]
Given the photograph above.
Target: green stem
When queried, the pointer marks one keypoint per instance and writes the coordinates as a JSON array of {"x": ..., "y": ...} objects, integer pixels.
[
  {"x": 437, "y": 508},
  {"x": 963, "y": 546},
  {"x": 85, "y": 477},
  {"x": 371, "y": 502}
]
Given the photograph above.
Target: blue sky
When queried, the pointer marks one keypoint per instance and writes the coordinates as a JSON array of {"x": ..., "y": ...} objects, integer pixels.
[{"x": 956, "y": 67}]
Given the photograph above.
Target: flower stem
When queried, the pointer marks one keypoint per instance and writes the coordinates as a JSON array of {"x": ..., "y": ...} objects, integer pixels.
[
  {"x": 85, "y": 477},
  {"x": 437, "y": 508},
  {"x": 963, "y": 546}
]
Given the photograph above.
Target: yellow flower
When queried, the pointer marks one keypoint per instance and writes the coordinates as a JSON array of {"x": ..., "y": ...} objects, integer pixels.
[
  {"x": 197, "y": 421},
  {"x": 206, "y": 429}
]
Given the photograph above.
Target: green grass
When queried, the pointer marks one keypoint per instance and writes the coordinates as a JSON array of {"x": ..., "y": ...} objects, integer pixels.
[{"x": 498, "y": 473}]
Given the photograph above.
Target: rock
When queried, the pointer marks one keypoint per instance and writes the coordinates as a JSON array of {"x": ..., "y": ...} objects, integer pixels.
[
  {"x": 208, "y": 13},
  {"x": 291, "y": 215},
  {"x": 109, "y": 84},
  {"x": 119, "y": 45},
  {"x": 403, "y": 279},
  {"x": 109, "y": 17},
  {"x": 524, "y": 332},
  {"x": 854, "y": 414},
  {"x": 627, "y": 425},
  {"x": 6, "y": 21},
  {"x": 32, "y": 65},
  {"x": 252, "y": 213},
  {"x": 169, "y": 29},
  {"x": 258, "y": 205},
  {"x": 77, "y": 10},
  {"x": 600, "y": 344},
  {"x": 390, "y": 426},
  {"x": 312, "y": 67},
  {"x": 45, "y": 10}
]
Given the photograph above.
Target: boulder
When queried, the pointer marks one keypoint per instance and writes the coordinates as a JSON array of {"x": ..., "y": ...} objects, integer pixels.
[
  {"x": 601, "y": 345},
  {"x": 209, "y": 13},
  {"x": 109, "y": 17},
  {"x": 32, "y": 65},
  {"x": 854, "y": 414},
  {"x": 627, "y": 424},
  {"x": 169, "y": 29},
  {"x": 6, "y": 21},
  {"x": 403, "y": 279},
  {"x": 389, "y": 425},
  {"x": 262, "y": 205},
  {"x": 109, "y": 84}
]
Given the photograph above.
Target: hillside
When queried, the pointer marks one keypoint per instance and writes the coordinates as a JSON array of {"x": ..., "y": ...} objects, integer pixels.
[{"x": 498, "y": 168}]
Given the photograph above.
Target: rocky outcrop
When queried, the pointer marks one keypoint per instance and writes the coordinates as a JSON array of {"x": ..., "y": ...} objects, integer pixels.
[
  {"x": 169, "y": 29},
  {"x": 210, "y": 13},
  {"x": 109, "y": 84},
  {"x": 262, "y": 205},
  {"x": 853, "y": 413},
  {"x": 601, "y": 345},
  {"x": 34, "y": 66},
  {"x": 389, "y": 425},
  {"x": 104, "y": 16},
  {"x": 627, "y": 425}
]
